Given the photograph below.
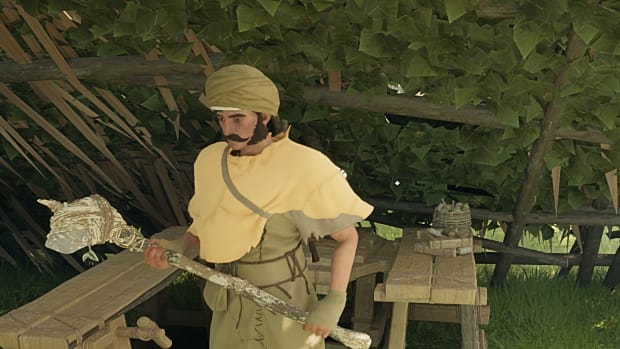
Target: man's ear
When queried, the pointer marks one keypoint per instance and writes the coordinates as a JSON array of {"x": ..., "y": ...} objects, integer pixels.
[{"x": 266, "y": 118}]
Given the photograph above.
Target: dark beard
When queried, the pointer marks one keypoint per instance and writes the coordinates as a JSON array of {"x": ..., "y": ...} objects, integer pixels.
[{"x": 260, "y": 131}]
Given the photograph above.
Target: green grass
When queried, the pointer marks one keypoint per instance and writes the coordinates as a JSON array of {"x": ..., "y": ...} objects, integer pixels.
[
  {"x": 534, "y": 309},
  {"x": 22, "y": 285}
]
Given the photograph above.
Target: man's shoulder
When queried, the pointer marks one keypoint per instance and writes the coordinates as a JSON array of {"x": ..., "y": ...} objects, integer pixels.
[
  {"x": 212, "y": 150},
  {"x": 305, "y": 158},
  {"x": 304, "y": 151}
]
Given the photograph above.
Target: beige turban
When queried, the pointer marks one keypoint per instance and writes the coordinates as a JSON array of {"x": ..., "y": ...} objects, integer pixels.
[{"x": 241, "y": 87}]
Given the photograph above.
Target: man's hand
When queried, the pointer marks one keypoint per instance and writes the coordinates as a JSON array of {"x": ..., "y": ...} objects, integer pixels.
[
  {"x": 155, "y": 256},
  {"x": 324, "y": 316}
]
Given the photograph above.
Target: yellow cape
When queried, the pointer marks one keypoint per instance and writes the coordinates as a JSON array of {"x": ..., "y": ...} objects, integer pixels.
[{"x": 285, "y": 178}]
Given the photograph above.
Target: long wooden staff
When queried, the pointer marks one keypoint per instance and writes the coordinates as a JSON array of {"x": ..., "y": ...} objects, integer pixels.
[{"x": 92, "y": 220}]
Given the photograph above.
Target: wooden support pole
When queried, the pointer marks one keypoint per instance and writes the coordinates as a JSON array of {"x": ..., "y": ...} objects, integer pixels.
[
  {"x": 592, "y": 236},
  {"x": 470, "y": 336},
  {"x": 612, "y": 279},
  {"x": 549, "y": 126},
  {"x": 398, "y": 328},
  {"x": 582, "y": 216},
  {"x": 566, "y": 258}
]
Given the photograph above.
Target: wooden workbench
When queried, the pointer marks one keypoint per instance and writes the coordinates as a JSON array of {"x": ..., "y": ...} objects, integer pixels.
[
  {"x": 84, "y": 311},
  {"x": 424, "y": 279}
]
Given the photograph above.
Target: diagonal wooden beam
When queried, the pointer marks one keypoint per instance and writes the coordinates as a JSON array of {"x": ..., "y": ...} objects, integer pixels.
[{"x": 536, "y": 165}]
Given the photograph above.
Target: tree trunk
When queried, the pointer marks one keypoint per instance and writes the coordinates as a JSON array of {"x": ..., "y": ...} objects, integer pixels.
[{"x": 549, "y": 126}]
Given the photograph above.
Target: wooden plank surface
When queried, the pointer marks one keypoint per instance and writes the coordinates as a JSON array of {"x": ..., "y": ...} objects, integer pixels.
[
  {"x": 374, "y": 255},
  {"x": 454, "y": 280},
  {"x": 85, "y": 302},
  {"x": 411, "y": 272},
  {"x": 440, "y": 241}
]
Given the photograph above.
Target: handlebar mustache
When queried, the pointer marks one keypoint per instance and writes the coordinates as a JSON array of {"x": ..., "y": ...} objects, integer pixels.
[{"x": 234, "y": 137}]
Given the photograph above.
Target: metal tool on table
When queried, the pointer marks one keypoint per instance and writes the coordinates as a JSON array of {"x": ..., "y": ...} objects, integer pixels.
[{"x": 92, "y": 220}]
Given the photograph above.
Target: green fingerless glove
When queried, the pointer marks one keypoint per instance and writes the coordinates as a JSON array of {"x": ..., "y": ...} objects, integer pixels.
[
  {"x": 327, "y": 311},
  {"x": 176, "y": 245}
]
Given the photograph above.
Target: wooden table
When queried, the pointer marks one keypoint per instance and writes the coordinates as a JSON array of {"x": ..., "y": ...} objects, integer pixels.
[
  {"x": 424, "y": 279},
  {"x": 85, "y": 311},
  {"x": 374, "y": 257}
]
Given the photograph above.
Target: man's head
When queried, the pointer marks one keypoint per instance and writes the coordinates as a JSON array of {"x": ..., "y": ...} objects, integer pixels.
[{"x": 244, "y": 100}]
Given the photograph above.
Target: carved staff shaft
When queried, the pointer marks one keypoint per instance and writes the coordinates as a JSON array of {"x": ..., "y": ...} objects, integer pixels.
[
  {"x": 351, "y": 339},
  {"x": 92, "y": 220}
]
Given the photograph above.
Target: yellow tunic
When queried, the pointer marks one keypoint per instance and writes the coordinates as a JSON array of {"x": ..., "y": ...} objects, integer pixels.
[
  {"x": 297, "y": 192},
  {"x": 285, "y": 178}
]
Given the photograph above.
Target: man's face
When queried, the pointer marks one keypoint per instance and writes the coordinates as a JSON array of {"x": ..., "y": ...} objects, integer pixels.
[{"x": 239, "y": 127}]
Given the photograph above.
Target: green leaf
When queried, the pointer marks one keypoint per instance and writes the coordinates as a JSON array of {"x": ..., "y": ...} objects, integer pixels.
[
  {"x": 172, "y": 21},
  {"x": 608, "y": 114},
  {"x": 421, "y": 150},
  {"x": 55, "y": 6},
  {"x": 255, "y": 57},
  {"x": 526, "y": 36},
  {"x": 508, "y": 115},
  {"x": 249, "y": 18},
  {"x": 123, "y": 29},
  {"x": 146, "y": 22},
  {"x": 556, "y": 157},
  {"x": 536, "y": 62},
  {"x": 176, "y": 51},
  {"x": 313, "y": 113},
  {"x": 455, "y": 9},
  {"x": 463, "y": 96},
  {"x": 11, "y": 152},
  {"x": 585, "y": 31},
  {"x": 106, "y": 49},
  {"x": 321, "y": 5},
  {"x": 270, "y": 6},
  {"x": 31, "y": 7},
  {"x": 153, "y": 103},
  {"x": 576, "y": 199},
  {"x": 90, "y": 255},
  {"x": 547, "y": 232},
  {"x": 99, "y": 31},
  {"x": 373, "y": 44},
  {"x": 417, "y": 66},
  {"x": 533, "y": 110},
  {"x": 424, "y": 15}
]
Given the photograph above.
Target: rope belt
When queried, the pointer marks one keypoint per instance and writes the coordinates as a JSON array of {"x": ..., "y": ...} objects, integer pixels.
[{"x": 272, "y": 272}]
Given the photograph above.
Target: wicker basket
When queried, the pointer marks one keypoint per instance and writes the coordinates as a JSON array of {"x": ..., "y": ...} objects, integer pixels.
[{"x": 453, "y": 219}]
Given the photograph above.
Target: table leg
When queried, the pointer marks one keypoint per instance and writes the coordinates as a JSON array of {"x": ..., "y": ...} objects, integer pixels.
[
  {"x": 470, "y": 332},
  {"x": 398, "y": 327},
  {"x": 363, "y": 311}
]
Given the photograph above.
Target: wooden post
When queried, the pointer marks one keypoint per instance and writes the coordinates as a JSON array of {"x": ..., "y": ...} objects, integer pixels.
[
  {"x": 612, "y": 279},
  {"x": 398, "y": 328},
  {"x": 592, "y": 241},
  {"x": 363, "y": 311},
  {"x": 470, "y": 331}
]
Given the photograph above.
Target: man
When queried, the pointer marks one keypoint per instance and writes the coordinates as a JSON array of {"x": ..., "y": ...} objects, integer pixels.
[{"x": 258, "y": 197}]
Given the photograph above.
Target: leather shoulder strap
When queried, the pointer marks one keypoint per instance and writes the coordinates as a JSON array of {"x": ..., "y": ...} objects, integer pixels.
[{"x": 233, "y": 190}]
